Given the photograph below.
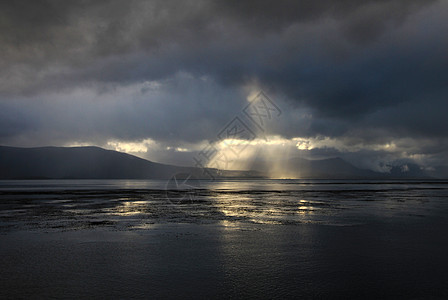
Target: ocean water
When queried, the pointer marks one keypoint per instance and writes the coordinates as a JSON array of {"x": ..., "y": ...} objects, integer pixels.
[
  {"x": 224, "y": 239},
  {"x": 57, "y": 205}
]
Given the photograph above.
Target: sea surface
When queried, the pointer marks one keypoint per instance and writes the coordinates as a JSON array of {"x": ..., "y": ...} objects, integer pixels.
[{"x": 327, "y": 239}]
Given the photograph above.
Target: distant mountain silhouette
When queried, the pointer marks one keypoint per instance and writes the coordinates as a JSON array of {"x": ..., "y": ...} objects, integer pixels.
[
  {"x": 334, "y": 168},
  {"x": 439, "y": 172},
  {"x": 98, "y": 163},
  {"x": 91, "y": 163},
  {"x": 407, "y": 170},
  {"x": 330, "y": 168}
]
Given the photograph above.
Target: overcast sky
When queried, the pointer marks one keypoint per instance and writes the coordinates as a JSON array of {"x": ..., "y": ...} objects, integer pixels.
[{"x": 363, "y": 80}]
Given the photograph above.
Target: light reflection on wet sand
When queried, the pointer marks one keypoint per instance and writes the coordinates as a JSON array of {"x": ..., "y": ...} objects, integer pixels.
[
  {"x": 351, "y": 242},
  {"x": 123, "y": 209}
]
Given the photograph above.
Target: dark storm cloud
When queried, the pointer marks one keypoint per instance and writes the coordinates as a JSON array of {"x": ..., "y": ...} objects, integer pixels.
[
  {"x": 77, "y": 38},
  {"x": 362, "y": 20},
  {"x": 356, "y": 70}
]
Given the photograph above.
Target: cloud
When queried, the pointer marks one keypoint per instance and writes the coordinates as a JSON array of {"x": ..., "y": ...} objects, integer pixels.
[
  {"x": 360, "y": 73},
  {"x": 48, "y": 44}
]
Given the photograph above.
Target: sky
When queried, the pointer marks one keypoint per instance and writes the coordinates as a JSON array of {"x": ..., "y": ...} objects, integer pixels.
[{"x": 357, "y": 79}]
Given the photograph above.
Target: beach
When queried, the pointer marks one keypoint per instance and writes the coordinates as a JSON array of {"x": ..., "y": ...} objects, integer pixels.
[{"x": 308, "y": 240}]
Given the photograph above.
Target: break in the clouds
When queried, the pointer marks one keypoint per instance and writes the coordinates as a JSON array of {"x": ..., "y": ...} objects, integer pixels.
[{"x": 364, "y": 80}]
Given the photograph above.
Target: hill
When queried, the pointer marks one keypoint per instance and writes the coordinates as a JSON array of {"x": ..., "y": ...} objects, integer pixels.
[
  {"x": 82, "y": 163},
  {"x": 98, "y": 163}
]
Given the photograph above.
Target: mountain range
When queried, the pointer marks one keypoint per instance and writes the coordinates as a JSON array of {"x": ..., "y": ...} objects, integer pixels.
[{"x": 98, "y": 163}]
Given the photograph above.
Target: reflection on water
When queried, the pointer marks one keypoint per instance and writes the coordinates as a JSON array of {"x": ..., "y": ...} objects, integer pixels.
[
  {"x": 63, "y": 205},
  {"x": 306, "y": 207},
  {"x": 256, "y": 239}
]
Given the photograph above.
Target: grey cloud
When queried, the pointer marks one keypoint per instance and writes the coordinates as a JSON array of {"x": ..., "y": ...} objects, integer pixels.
[
  {"x": 177, "y": 110},
  {"x": 54, "y": 38},
  {"x": 355, "y": 70}
]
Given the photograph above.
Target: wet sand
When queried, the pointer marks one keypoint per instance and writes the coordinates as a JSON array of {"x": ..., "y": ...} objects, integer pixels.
[
  {"x": 298, "y": 243},
  {"x": 228, "y": 261}
]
